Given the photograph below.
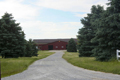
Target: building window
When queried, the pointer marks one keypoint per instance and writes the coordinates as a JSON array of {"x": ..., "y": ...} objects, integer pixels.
[
  {"x": 62, "y": 46},
  {"x": 56, "y": 46}
]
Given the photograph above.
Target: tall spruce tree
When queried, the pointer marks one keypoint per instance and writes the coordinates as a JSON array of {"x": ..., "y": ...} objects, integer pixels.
[
  {"x": 11, "y": 37},
  {"x": 108, "y": 33},
  {"x": 87, "y": 32},
  {"x": 71, "y": 47}
]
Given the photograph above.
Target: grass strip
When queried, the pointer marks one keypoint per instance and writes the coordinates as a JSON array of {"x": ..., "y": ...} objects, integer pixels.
[
  {"x": 12, "y": 66},
  {"x": 91, "y": 64}
]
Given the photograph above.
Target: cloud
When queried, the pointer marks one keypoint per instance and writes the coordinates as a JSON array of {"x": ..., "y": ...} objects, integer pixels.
[
  {"x": 70, "y": 5},
  {"x": 20, "y": 11},
  {"x": 81, "y": 15},
  {"x": 27, "y": 15},
  {"x": 42, "y": 30}
]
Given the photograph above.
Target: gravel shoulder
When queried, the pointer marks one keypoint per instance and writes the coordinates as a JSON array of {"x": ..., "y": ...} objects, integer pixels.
[{"x": 55, "y": 67}]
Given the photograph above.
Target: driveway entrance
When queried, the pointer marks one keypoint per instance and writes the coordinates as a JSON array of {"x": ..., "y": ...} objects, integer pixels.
[{"x": 55, "y": 67}]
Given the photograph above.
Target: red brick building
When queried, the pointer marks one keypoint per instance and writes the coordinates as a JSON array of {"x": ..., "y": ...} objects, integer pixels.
[{"x": 52, "y": 44}]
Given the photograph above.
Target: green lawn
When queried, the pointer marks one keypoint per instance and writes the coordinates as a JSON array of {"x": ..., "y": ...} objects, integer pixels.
[
  {"x": 12, "y": 66},
  {"x": 92, "y": 64}
]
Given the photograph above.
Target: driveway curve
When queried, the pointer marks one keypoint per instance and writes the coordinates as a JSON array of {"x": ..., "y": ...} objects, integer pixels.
[{"x": 55, "y": 67}]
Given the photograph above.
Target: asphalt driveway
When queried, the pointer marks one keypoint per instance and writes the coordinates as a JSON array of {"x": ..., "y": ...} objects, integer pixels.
[{"x": 55, "y": 67}]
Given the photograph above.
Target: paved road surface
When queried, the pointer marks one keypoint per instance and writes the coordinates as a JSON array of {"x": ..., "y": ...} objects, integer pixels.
[{"x": 56, "y": 68}]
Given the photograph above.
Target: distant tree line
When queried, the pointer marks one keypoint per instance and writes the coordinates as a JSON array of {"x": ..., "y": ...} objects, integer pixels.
[
  {"x": 100, "y": 34},
  {"x": 12, "y": 39}
]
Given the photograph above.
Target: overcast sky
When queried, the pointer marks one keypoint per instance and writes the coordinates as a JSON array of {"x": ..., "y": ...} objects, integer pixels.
[{"x": 49, "y": 19}]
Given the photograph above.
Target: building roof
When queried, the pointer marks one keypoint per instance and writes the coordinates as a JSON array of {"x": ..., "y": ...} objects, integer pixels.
[{"x": 46, "y": 41}]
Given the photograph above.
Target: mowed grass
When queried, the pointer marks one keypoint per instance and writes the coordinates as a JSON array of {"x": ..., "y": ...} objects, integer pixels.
[
  {"x": 12, "y": 66},
  {"x": 90, "y": 63}
]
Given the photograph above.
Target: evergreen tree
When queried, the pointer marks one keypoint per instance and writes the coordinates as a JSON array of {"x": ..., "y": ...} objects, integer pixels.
[
  {"x": 0, "y": 39},
  {"x": 31, "y": 49},
  {"x": 108, "y": 33},
  {"x": 35, "y": 50},
  {"x": 86, "y": 33},
  {"x": 71, "y": 47},
  {"x": 11, "y": 37},
  {"x": 28, "y": 49},
  {"x": 22, "y": 44}
]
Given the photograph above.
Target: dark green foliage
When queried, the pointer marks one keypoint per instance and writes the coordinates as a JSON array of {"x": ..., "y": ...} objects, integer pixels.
[
  {"x": 31, "y": 49},
  {"x": 11, "y": 37},
  {"x": 35, "y": 50},
  {"x": 101, "y": 32},
  {"x": 23, "y": 41},
  {"x": 86, "y": 33},
  {"x": 71, "y": 47},
  {"x": 108, "y": 32}
]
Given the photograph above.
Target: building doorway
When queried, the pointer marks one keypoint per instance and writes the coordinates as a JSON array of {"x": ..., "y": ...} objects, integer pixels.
[{"x": 50, "y": 47}]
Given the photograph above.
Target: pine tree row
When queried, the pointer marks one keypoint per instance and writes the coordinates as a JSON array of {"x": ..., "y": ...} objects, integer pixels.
[
  {"x": 100, "y": 34},
  {"x": 12, "y": 39}
]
